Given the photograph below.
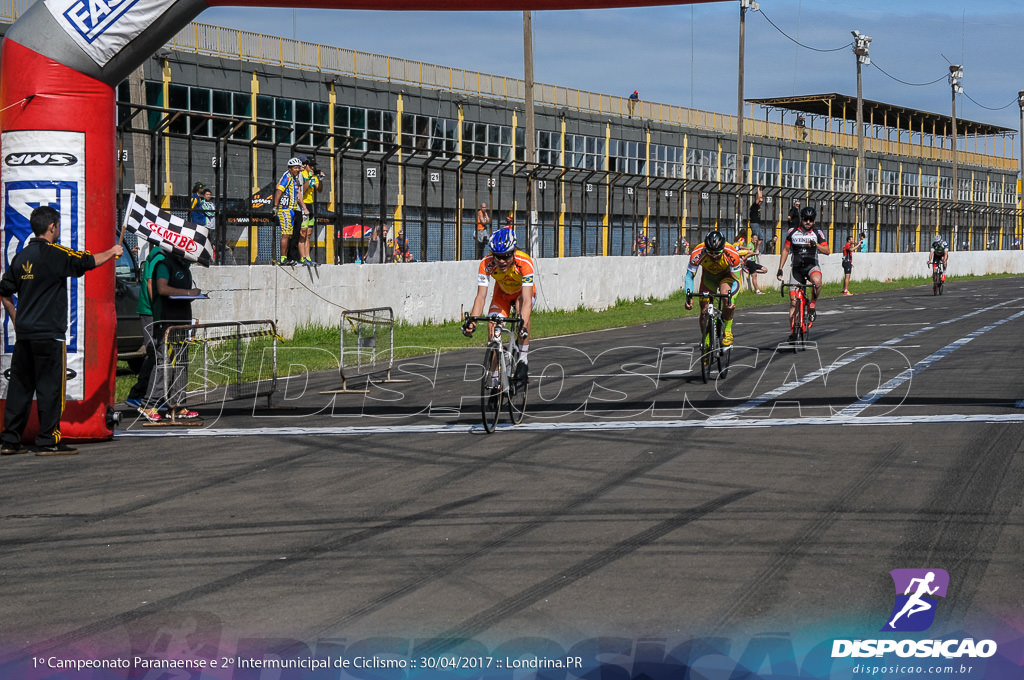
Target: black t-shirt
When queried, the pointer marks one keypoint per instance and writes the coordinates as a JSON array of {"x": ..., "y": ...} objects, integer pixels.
[
  {"x": 755, "y": 212},
  {"x": 178, "y": 275},
  {"x": 38, "y": 275}
]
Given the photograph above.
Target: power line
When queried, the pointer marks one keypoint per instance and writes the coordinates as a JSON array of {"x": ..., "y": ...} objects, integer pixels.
[
  {"x": 990, "y": 108},
  {"x": 815, "y": 49},
  {"x": 889, "y": 75}
]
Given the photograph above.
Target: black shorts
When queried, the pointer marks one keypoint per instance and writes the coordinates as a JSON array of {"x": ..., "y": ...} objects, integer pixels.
[
  {"x": 754, "y": 268},
  {"x": 847, "y": 267}
]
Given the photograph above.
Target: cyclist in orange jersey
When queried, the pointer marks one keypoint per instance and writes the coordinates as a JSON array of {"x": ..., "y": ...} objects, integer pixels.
[
  {"x": 514, "y": 285},
  {"x": 722, "y": 269}
]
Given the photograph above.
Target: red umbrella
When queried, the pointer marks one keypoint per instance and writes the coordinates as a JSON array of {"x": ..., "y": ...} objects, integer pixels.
[{"x": 355, "y": 232}]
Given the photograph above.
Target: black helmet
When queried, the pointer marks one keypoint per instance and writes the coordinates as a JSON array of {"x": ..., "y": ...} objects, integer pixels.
[
  {"x": 808, "y": 213},
  {"x": 714, "y": 243}
]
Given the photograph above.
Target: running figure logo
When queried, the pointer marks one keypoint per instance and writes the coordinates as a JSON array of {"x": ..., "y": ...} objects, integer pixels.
[{"x": 916, "y": 590}]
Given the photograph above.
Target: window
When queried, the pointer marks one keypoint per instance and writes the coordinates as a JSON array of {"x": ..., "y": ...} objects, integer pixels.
[
  {"x": 818, "y": 176},
  {"x": 374, "y": 126},
  {"x": 846, "y": 178},
  {"x": 627, "y": 157},
  {"x": 582, "y": 151},
  {"x": 667, "y": 161},
  {"x": 794, "y": 174},
  {"x": 888, "y": 180},
  {"x": 728, "y": 167},
  {"x": 702, "y": 164},
  {"x": 549, "y": 148},
  {"x": 929, "y": 186},
  {"x": 483, "y": 139},
  {"x": 765, "y": 171},
  {"x": 871, "y": 180},
  {"x": 911, "y": 185}
]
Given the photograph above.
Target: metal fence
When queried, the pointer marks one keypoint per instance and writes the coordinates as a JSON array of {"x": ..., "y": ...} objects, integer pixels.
[
  {"x": 217, "y": 362},
  {"x": 426, "y": 199}
]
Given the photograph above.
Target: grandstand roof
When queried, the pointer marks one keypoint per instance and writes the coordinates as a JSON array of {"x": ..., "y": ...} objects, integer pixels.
[{"x": 844, "y": 107}]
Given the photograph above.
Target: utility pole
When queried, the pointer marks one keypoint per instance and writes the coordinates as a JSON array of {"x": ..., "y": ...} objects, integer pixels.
[
  {"x": 956, "y": 74},
  {"x": 861, "y": 48},
  {"x": 531, "y": 135},
  {"x": 741, "y": 177},
  {"x": 1020, "y": 183}
]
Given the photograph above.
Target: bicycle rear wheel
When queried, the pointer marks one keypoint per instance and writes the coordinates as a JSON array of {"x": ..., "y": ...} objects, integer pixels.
[
  {"x": 517, "y": 399},
  {"x": 490, "y": 397},
  {"x": 722, "y": 352}
]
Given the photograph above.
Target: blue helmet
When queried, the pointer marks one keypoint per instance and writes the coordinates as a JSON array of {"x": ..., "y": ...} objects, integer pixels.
[{"x": 503, "y": 241}]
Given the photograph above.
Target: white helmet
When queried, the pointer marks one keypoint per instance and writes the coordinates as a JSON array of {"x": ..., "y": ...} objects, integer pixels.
[{"x": 294, "y": 162}]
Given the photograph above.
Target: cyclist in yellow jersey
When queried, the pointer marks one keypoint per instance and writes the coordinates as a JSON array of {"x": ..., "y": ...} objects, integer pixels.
[
  {"x": 513, "y": 274},
  {"x": 312, "y": 184},
  {"x": 721, "y": 272}
]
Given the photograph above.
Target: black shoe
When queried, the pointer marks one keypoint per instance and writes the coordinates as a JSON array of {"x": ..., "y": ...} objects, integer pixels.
[
  {"x": 57, "y": 449},
  {"x": 8, "y": 449},
  {"x": 522, "y": 374},
  {"x": 792, "y": 337},
  {"x": 811, "y": 316}
]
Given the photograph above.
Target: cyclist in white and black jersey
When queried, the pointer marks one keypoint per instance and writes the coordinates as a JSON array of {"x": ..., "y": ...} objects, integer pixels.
[{"x": 804, "y": 242}]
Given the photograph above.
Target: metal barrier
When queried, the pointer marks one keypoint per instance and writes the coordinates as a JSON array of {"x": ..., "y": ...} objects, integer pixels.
[
  {"x": 217, "y": 362},
  {"x": 367, "y": 347}
]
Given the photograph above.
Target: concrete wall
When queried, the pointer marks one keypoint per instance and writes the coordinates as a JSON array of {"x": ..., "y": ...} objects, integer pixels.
[{"x": 440, "y": 291}]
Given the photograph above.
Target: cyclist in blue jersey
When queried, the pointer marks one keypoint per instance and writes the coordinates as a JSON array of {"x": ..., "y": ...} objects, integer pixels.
[{"x": 287, "y": 202}]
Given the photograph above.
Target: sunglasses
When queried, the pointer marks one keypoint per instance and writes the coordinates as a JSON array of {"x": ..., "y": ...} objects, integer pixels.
[
  {"x": 808, "y": 219},
  {"x": 506, "y": 257}
]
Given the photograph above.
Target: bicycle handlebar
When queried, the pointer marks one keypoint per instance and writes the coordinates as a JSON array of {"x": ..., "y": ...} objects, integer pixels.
[
  {"x": 801, "y": 286},
  {"x": 503, "y": 320}
]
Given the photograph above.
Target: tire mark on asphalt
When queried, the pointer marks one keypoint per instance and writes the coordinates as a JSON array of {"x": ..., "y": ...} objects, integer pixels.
[
  {"x": 310, "y": 552},
  {"x": 641, "y": 465},
  {"x": 762, "y": 587},
  {"x": 487, "y": 618}
]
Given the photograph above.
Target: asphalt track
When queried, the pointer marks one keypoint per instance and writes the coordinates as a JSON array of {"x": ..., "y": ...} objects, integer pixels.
[{"x": 634, "y": 500}]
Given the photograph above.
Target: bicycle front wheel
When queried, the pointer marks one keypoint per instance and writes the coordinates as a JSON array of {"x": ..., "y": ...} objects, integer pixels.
[
  {"x": 722, "y": 353},
  {"x": 706, "y": 350},
  {"x": 490, "y": 396}
]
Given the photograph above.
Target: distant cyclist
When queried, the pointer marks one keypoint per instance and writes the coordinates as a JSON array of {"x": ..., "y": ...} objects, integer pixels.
[
  {"x": 805, "y": 242},
  {"x": 940, "y": 255},
  {"x": 721, "y": 272},
  {"x": 513, "y": 274}
]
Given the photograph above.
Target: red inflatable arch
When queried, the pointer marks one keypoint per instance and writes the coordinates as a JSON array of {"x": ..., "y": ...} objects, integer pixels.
[{"x": 59, "y": 65}]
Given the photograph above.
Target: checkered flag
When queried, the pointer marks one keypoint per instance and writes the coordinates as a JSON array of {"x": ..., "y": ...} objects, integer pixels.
[{"x": 172, "y": 233}]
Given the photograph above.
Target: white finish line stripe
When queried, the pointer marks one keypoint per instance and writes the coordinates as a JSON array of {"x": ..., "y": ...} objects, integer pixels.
[{"x": 728, "y": 423}]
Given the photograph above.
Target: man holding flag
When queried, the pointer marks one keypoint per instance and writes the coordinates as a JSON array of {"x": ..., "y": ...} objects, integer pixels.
[{"x": 173, "y": 292}]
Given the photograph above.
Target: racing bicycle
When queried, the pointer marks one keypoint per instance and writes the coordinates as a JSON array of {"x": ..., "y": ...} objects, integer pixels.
[
  {"x": 498, "y": 384},
  {"x": 713, "y": 353},
  {"x": 800, "y": 323},
  {"x": 937, "y": 278}
]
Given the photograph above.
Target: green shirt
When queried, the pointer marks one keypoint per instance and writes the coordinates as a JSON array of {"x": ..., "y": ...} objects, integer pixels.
[{"x": 145, "y": 304}]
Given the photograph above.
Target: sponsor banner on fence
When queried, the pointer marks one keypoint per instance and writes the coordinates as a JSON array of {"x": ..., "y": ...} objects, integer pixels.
[{"x": 46, "y": 167}]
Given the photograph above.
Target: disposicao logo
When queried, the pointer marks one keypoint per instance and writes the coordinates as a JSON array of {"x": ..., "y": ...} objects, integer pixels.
[
  {"x": 916, "y": 593},
  {"x": 914, "y": 610}
]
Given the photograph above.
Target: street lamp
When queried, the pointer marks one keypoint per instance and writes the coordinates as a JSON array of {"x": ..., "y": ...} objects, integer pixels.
[
  {"x": 956, "y": 74},
  {"x": 862, "y": 49}
]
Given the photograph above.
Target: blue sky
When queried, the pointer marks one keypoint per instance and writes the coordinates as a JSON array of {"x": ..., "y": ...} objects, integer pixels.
[{"x": 687, "y": 54}]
